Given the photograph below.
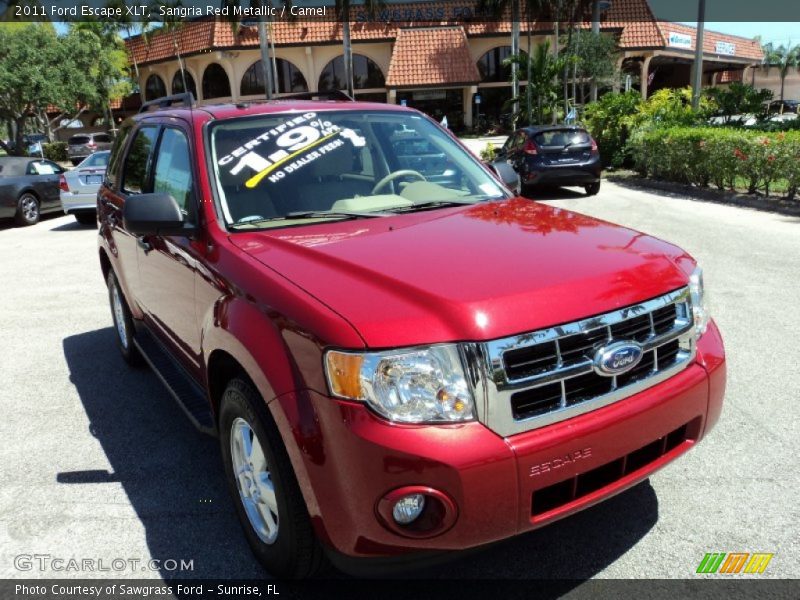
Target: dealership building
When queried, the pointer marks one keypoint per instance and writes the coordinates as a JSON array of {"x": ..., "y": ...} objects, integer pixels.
[{"x": 438, "y": 57}]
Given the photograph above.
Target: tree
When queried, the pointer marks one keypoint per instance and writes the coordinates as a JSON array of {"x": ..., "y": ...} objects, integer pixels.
[
  {"x": 109, "y": 67},
  {"x": 29, "y": 56},
  {"x": 593, "y": 58},
  {"x": 542, "y": 89},
  {"x": 342, "y": 10},
  {"x": 172, "y": 25},
  {"x": 783, "y": 57},
  {"x": 739, "y": 99},
  {"x": 125, "y": 24}
]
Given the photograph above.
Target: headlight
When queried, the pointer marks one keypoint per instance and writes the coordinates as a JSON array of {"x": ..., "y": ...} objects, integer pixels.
[
  {"x": 699, "y": 308},
  {"x": 416, "y": 385}
]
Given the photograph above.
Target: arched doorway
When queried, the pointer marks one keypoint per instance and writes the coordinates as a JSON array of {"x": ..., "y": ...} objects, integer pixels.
[
  {"x": 154, "y": 87},
  {"x": 366, "y": 75},
  {"x": 290, "y": 79},
  {"x": 215, "y": 82},
  {"x": 177, "y": 83}
]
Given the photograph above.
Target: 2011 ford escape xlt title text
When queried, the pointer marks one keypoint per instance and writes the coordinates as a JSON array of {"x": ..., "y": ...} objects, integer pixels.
[{"x": 399, "y": 357}]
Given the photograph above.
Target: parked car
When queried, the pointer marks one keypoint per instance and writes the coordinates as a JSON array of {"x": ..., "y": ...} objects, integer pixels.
[
  {"x": 394, "y": 367},
  {"x": 84, "y": 144},
  {"x": 28, "y": 188},
  {"x": 554, "y": 155},
  {"x": 782, "y": 107},
  {"x": 79, "y": 187}
]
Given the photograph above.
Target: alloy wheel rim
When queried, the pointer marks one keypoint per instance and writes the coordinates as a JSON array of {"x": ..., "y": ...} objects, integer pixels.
[
  {"x": 119, "y": 316},
  {"x": 29, "y": 208},
  {"x": 254, "y": 481}
]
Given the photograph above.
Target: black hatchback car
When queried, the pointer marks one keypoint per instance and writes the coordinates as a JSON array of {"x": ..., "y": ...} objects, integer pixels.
[{"x": 553, "y": 155}]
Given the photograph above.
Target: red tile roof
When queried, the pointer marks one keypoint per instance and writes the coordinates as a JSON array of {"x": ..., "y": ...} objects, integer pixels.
[
  {"x": 744, "y": 47},
  {"x": 632, "y": 19},
  {"x": 431, "y": 56}
]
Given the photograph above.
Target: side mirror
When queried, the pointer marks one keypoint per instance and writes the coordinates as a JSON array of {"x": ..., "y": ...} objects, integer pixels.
[
  {"x": 506, "y": 174},
  {"x": 154, "y": 214}
]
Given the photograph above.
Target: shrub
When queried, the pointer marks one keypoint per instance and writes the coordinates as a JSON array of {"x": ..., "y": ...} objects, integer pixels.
[
  {"x": 608, "y": 120},
  {"x": 720, "y": 156},
  {"x": 56, "y": 151},
  {"x": 489, "y": 152}
]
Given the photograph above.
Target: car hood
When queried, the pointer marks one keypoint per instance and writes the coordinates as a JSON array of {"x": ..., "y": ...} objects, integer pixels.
[{"x": 469, "y": 273}]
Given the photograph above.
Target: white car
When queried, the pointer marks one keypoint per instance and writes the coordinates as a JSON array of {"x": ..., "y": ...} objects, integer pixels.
[{"x": 79, "y": 187}]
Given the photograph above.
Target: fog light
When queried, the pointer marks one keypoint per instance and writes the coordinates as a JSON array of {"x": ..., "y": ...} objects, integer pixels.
[{"x": 408, "y": 508}]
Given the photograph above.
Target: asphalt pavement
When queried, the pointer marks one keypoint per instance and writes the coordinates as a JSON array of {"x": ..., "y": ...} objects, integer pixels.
[{"x": 98, "y": 463}]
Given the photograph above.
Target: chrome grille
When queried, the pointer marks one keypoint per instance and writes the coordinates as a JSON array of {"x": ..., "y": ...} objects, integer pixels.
[{"x": 545, "y": 376}]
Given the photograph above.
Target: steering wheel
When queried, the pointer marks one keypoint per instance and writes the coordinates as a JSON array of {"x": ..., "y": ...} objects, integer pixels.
[{"x": 394, "y": 175}]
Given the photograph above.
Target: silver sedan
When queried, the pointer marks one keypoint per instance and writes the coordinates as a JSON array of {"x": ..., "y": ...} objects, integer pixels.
[{"x": 79, "y": 187}]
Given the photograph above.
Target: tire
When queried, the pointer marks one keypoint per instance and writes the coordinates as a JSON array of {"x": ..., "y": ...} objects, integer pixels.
[
  {"x": 284, "y": 542},
  {"x": 27, "y": 210},
  {"x": 86, "y": 218},
  {"x": 123, "y": 322},
  {"x": 592, "y": 189}
]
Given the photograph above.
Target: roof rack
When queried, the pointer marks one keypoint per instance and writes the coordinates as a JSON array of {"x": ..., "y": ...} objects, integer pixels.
[
  {"x": 327, "y": 95},
  {"x": 186, "y": 99}
]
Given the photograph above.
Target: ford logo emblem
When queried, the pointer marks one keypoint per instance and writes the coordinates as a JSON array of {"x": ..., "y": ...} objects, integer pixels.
[{"x": 617, "y": 358}]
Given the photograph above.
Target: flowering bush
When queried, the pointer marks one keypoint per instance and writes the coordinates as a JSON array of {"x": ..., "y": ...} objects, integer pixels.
[{"x": 725, "y": 158}]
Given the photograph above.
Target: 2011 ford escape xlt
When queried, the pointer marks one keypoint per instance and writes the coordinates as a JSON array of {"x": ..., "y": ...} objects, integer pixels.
[{"x": 397, "y": 361}]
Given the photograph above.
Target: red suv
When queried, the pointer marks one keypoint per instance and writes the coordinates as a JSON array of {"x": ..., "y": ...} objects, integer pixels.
[{"x": 397, "y": 362}]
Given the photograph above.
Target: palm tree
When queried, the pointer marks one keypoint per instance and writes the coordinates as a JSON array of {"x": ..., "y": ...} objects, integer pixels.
[
  {"x": 782, "y": 57},
  {"x": 542, "y": 86},
  {"x": 496, "y": 8},
  {"x": 172, "y": 26},
  {"x": 342, "y": 10},
  {"x": 124, "y": 23}
]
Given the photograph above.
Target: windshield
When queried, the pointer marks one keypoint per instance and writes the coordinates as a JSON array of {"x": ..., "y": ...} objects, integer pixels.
[{"x": 283, "y": 169}]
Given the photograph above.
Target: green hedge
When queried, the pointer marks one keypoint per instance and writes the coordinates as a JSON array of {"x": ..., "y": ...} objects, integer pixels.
[
  {"x": 56, "y": 151},
  {"x": 725, "y": 158}
]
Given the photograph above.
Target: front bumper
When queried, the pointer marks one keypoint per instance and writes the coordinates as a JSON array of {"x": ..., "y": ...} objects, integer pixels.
[
  {"x": 72, "y": 203},
  {"x": 347, "y": 460}
]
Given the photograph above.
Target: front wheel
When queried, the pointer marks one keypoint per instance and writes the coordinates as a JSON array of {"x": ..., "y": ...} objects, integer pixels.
[
  {"x": 592, "y": 189},
  {"x": 261, "y": 480},
  {"x": 27, "y": 210}
]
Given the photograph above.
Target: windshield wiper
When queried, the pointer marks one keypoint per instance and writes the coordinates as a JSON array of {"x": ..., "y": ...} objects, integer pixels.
[
  {"x": 314, "y": 214},
  {"x": 441, "y": 203},
  {"x": 310, "y": 214}
]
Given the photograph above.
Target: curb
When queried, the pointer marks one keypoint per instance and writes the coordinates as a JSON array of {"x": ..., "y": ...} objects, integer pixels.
[{"x": 775, "y": 205}]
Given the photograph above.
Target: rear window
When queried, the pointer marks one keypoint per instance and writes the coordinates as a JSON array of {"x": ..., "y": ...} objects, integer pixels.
[
  {"x": 78, "y": 139},
  {"x": 562, "y": 137},
  {"x": 99, "y": 159}
]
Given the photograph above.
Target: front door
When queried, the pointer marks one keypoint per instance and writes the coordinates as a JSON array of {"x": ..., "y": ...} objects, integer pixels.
[{"x": 167, "y": 264}]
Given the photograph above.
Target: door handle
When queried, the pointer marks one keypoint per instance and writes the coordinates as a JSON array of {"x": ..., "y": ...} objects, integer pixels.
[{"x": 143, "y": 244}]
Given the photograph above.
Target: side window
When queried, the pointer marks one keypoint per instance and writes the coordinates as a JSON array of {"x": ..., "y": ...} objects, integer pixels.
[
  {"x": 137, "y": 163},
  {"x": 116, "y": 155},
  {"x": 173, "y": 170},
  {"x": 103, "y": 138}
]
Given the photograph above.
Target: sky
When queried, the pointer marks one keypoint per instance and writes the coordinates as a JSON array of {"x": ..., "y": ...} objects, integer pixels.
[{"x": 777, "y": 33}]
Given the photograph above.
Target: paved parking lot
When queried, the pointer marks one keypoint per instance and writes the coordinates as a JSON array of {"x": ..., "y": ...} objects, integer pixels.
[{"x": 97, "y": 462}]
